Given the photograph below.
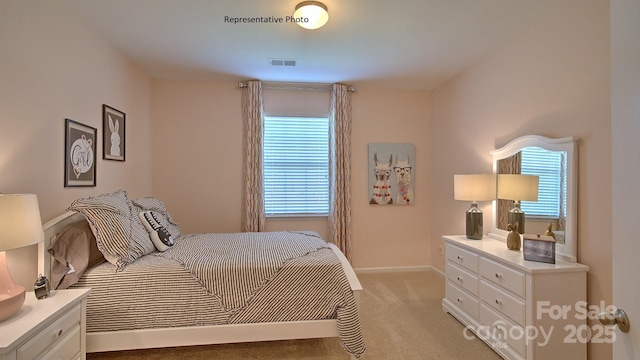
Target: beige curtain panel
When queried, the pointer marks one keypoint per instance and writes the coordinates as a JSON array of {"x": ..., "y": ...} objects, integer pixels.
[
  {"x": 562, "y": 219},
  {"x": 253, "y": 217},
  {"x": 340, "y": 168}
]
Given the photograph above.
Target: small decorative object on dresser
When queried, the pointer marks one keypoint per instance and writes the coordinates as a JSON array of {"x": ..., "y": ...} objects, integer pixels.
[
  {"x": 550, "y": 232},
  {"x": 539, "y": 248},
  {"x": 41, "y": 287},
  {"x": 513, "y": 239}
]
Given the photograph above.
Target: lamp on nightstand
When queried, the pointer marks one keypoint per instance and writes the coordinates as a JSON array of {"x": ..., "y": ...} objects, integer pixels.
[
  {"x": 474, "y": 188},
  {"x": 20, "y": 226},
  {"x": 518, "y": 188}
]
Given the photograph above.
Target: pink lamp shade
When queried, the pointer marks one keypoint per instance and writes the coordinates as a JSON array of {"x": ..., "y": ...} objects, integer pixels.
[{"x": 20, "y": 226}]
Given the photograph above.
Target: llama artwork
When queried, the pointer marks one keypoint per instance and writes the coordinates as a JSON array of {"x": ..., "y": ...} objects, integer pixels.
[
  {"x": 115, "y": 136},
  {"x": 402, "y": 170},
  {"x": 382, "y": 187},
  {"x": 390, "y": 174}
]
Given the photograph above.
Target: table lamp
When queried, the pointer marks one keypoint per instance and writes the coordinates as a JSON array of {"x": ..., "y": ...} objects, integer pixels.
[
  {"x": 20, "y": 226},
  {"x": 518, "y": 188},
  {"x": 474, "y": 188}
]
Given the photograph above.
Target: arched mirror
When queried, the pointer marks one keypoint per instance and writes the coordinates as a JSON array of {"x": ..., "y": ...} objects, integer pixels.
[{"x": 555, "y": 162}]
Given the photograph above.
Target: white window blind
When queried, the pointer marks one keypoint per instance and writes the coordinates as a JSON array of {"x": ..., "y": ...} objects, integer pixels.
[
  {"x": 296, "y": 165},
  {"x": 549, "y": 166}
]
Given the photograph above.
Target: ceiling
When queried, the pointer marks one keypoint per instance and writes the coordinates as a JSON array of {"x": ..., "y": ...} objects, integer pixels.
[{"x": 409, "y": 44}]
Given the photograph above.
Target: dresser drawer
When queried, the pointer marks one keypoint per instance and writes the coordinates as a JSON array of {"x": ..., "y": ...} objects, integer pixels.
[
  {"x": 503, "y": 276},
  {"x": 502, "y": 331},
  {"x": 462, "y": 257},
  {"x": 68, "y": 348},
  {"x": 503, "y": 302},
  {"x": 462, "y": 278},
  {"x": 463, "y": 300},
  {"x": 53, "y": 333}
]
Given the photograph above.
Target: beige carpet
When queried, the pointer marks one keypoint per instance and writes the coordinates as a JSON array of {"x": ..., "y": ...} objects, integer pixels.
[{"x": 402, "y": 318}]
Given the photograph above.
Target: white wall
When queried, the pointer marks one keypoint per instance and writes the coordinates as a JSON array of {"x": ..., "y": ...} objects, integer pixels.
[
  {"x": 552, "y": 79},
  {"x": 54, "y": 67},
  {"x": 202, "y": 185}
]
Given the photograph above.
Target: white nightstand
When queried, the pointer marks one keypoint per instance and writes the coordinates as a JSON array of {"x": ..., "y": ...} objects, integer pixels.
[{"x": 51, "y": 328}]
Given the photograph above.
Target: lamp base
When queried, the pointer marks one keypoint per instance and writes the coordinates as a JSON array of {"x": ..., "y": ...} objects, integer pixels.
[
  {"x": 474, "y": 222},
  {"x": 11, "y": 294}
]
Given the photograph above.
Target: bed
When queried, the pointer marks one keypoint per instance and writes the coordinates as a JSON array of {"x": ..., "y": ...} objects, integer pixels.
[{"x": 190, "y": 304}]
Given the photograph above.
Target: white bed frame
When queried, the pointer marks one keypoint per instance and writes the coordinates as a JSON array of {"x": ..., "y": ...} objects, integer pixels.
[{"x": 199, "y": 335}]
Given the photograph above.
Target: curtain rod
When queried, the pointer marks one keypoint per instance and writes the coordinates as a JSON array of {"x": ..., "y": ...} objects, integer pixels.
[{"x": 295, "y": 86}]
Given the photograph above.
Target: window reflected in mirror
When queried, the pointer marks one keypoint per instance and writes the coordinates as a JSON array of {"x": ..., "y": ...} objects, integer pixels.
[{"x": 551, "y": 168}]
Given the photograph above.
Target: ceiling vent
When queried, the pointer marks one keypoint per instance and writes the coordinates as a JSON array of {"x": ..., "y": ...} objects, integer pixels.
[{"x": 283, "y": 62}]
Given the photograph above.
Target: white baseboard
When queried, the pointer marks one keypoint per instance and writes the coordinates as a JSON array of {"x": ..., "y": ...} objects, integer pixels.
[
  {"x": 394, "y": 269},
  {"x": 399, "y": 269},
  {"x": 438, "y": 271}
]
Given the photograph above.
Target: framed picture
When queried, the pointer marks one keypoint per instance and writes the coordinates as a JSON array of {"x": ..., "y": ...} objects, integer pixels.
[
  {"x": 391, "y": 172},
  {"x": 113, "y": 126},
  {"x": 79, "y": 154}
]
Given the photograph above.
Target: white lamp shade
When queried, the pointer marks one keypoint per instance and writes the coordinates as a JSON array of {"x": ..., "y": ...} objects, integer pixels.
[
  {"x": 313, "y": 14},
  {"x": 518, "y": 187},
  {"x": 20, "y": 223},
  {"x": 477, "y": 187}
]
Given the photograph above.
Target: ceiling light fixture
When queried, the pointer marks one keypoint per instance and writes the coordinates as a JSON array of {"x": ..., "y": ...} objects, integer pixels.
[{"x": 311, "y": 14}]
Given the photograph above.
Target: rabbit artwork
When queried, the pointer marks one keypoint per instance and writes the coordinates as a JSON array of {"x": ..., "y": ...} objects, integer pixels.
[
  {"x": 403, "y": 178},
  {"x": 115, "y": 137}
]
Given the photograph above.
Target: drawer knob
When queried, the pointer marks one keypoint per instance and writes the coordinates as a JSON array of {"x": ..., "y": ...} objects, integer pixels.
[
  {"x": 498, "y": 301},
  {"x": 498, "y": 276},
  {"x": 59, "y": 332},
  {"x": 459, "y": 257},
  {"x": 459, "y": 300},
  {"x": 459, "y": 278}
]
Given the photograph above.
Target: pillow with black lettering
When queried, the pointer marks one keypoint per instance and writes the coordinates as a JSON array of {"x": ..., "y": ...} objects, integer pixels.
[
  {"x": 157, "y": 206},
  {"x": 159, "y": 235}
]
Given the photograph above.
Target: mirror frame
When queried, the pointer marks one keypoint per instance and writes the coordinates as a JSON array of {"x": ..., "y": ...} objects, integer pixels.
[{"x": 568, "y": 250}]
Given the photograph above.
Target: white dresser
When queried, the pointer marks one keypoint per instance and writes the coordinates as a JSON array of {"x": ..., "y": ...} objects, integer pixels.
[
  {"x": 523, "y": 309},
  {"x": 51, "y": 328}
]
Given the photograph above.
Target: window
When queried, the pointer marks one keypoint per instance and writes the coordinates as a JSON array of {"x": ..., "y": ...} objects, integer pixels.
[
  {"x": 296, "y": 165},
  {"x": 552, "y": 186}
]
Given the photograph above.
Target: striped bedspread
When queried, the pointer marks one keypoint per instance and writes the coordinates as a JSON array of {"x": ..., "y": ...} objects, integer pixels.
[
  {"x": 234, "y": 266},
  {"x": 239, "y": 278}
]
